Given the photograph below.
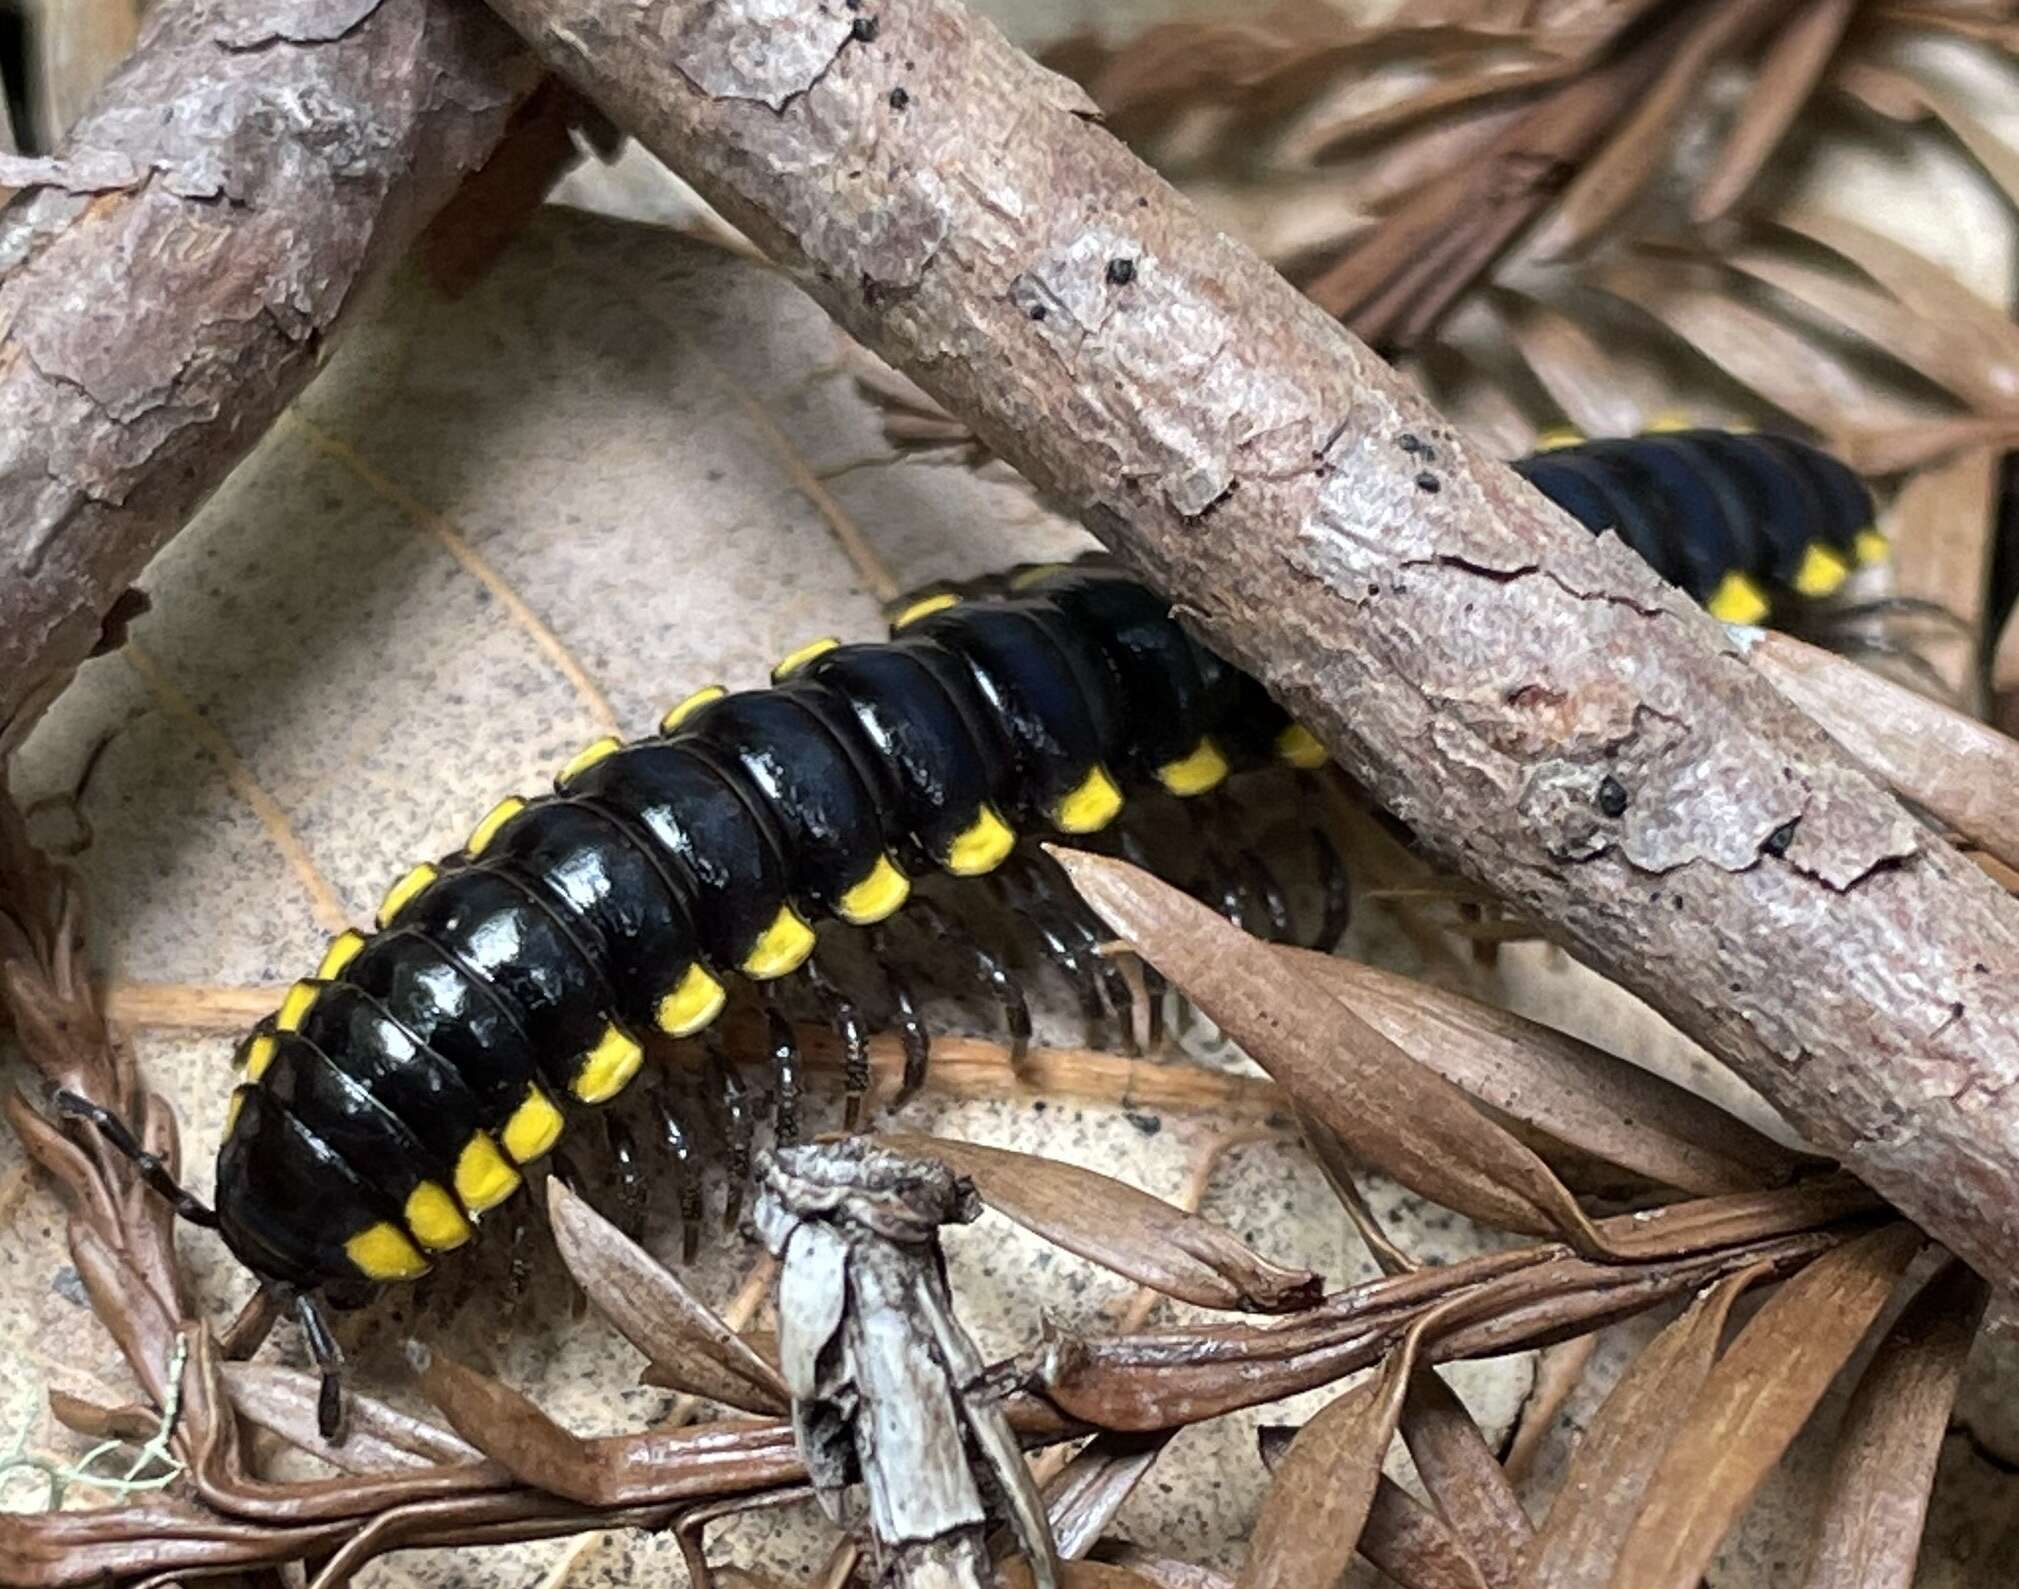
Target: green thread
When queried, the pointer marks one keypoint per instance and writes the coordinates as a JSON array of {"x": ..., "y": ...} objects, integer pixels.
[{"x": 153, "y": 1450}]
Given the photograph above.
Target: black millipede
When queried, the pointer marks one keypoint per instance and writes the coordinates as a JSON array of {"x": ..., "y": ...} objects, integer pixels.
[
  {"x": 401, "y": 1091},
  {"x": 1731, "y": 517}
]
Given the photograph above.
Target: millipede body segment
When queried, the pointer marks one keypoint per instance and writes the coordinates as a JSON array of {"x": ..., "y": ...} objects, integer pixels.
[
  {"x": 1729, "y": 517},
  {"x": 400, "y": 1092}
]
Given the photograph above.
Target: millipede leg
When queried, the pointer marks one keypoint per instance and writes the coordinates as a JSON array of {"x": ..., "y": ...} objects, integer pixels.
[
  {"x": 1261, "y": 884},
  {"x": 519, "y": 1274},
  {"x": 989, "y": 970},
  {"x": 1268, "y": 888},
  {"x": 1215, "y": 884},
  {"x": 679, "y": 1142},
  {"x": 732, "y": 1104},
  {"x": 911, "y": 1030},
  {"x": 1154, "y": 986},
  {"x": 563, "y": 1169},
  {"x": 630, "y": 1175},
  {"x": 846, "y": 1019},
  {"x": 328, "y": 1358},
  {"x": 785, "y": 1071},
  {"x": 1058, "y": 913},
  {"x": 153, "y": 1170},
  {"x": 1336, "y": 887},
  {"x": 1093, "y": 1007}
]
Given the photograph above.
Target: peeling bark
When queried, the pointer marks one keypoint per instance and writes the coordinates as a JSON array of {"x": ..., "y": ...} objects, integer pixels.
[
  {"x": 1484, "y": 665},
  {"x": 167, "y": 282}
]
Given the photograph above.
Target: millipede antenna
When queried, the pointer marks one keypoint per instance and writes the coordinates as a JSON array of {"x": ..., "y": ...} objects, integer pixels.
[{"x": 153, "y": 1169}]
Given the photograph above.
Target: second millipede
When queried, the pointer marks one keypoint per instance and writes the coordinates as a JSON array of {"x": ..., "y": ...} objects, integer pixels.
[{"x": 401, "y": 1090}]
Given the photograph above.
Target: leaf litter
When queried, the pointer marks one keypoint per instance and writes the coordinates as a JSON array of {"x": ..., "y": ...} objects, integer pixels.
[{"x": 1759, "y": 1231}]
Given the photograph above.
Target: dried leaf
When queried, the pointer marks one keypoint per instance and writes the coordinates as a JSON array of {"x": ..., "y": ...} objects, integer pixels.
[
  {"x": 1943, "y": 524},
  {"x": 1087, "y": 1492},
  {"x": 686, "y": 1340},
  {"x": 1403, "y": 1538},
  {"x": 1165, "y": 1572},
  {"x": 1388, "y": 1110},
  {"x": 722, "y": 1458},
  {"x": 129, "y": 1422},
  {"x": 1508, "y": 1301},
  {"x": 378, "y": 1439},
  {"x": 1924, "y": 286},
  {"x": 1891, "y": 1438},
  {"x": 1016, "y": 1574},
  {"x": 1942, "y": 351},
  {"x": 1755, "y": 1401},
  {"x": 1569, "y": 1089},
  {"x": 1262, "y": 65},
  {"x": 1792, "y": 372},
  {"x": 1413, "y": 1545},
  {"x": 1611, "y": 1465},
  {"x": 1328, "y": 137},
  {"x": 1559, "y": 1370},
  {"x": 1794, "y": 64},
  {"x": 1395, "y": 287},
  {"x": 1575, "y": 371},
  {"x": 1999, "y": 160},
  {"x": 1881, "y": 90},
  {"x": 1113, "y": 1224},
  {"x": 1336, "y": 1165},
  {"x": 1954, "y": 766},
  {"x": 1304, "y": 1537},
  {"x": 1644, "y": 141},
  {"x": 1892, "y": 446},
  {"x": 1472, "y": 1492}
]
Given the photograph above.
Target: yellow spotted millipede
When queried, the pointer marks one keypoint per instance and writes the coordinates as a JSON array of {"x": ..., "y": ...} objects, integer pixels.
[{"x": 399, "y": 1091}]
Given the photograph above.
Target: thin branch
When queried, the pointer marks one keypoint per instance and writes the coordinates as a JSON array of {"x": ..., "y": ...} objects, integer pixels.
[
  {"x": 1481, "y": 663},
  {"x": 176, "y": 271}
]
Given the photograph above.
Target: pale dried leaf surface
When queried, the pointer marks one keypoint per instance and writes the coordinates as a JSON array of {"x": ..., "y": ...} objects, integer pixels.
[
  {"x": 600, "y": 451},
  {"x": 1120, "y": 1228},
  {"x": 1389, "y": 1109},
  {"x": 1754, "y": 1402},
  {"x": 1891, "y": 1438}
]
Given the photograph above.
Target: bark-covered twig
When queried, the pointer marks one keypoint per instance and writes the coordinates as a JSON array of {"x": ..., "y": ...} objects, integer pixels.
[
  {"x": 170, "y": 280},
  {"x": 1543, "y": 710}
]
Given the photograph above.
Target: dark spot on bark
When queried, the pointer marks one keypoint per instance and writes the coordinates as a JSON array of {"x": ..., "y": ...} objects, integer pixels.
[
  {"x": 1410, "y": 442},
  {"x": 1612, "y": 796},
  {"x": 1427, "y": 481},
  {"x": 1778, "y": 841},
  {"x": 1037, "y": 311},
  {"x": 1981, "y": 969},
  {"x": 1148, "y": 1124},
  {"x": 1121, "y": 272},
  {"x": 1143, "y": 203},
  {"x": 864, "y": 31},
  {"x": 1373, "y": 590},
  {"x": 899, "y": 98}
]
